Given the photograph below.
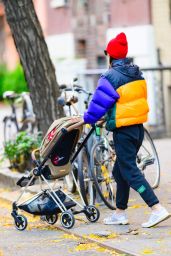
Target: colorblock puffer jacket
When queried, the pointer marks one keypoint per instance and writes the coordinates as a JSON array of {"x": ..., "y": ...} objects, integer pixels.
[{"x": 124, "y": 85}]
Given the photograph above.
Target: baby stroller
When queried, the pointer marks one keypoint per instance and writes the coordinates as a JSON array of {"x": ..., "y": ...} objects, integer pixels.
[{"x": 56, "y": 154}]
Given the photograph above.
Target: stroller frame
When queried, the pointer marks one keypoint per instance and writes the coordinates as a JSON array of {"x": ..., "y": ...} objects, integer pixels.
[{"x": 67, "y": 215}]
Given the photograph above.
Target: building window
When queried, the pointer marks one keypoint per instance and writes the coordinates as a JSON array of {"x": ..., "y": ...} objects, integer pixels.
[
  {"x": 1, "y": 23},
  {"x": 81, "y": 48},
  {"x": 84, "y": 2},
  {"x": 58, "y": 3},
  {"x": 101, "y": 62}
]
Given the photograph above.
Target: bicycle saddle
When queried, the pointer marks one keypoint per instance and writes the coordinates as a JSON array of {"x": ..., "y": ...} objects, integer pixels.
[{"x": 10, "y": 95}]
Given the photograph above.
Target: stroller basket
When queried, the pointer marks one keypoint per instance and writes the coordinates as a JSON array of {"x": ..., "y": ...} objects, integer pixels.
[{"x": 43, "y": 204}]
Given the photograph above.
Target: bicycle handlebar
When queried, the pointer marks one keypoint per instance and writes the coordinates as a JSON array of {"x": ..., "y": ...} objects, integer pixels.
[
  {"x": 62, "y": 86},
  {"x": 76, "y": 88}
]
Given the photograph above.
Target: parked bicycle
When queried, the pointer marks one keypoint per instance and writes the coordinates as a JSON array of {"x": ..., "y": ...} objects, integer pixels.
[{"x": 12, "y": 125}]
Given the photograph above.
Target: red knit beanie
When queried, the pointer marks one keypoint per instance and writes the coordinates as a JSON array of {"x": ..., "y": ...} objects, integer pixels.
[{"x": 117, "y": 48}]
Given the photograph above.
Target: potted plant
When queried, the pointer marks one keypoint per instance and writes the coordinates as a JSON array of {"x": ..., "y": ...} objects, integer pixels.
[{"x": 18, "y": 151}]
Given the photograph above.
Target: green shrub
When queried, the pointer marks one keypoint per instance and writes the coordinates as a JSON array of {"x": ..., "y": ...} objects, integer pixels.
[
  {"x": 12, "y": 80},
  {"x": 23, "y": 144},
  {"x": 18, "y": 151}
]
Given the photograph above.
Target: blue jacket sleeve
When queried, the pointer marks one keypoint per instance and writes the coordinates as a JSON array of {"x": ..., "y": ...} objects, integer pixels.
[{"x": 103, "y": 99}]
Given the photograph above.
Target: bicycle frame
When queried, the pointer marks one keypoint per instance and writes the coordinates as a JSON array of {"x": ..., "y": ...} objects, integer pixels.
[{"x": 13, "y": 116}]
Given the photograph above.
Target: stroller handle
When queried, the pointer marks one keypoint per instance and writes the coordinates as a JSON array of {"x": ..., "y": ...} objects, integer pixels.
[
  {"x": 33, "y": 155},
  {"x": 74, "y": 126},
  {"x": 101, "y": 122},
  {"x": 77, "y": 125}
]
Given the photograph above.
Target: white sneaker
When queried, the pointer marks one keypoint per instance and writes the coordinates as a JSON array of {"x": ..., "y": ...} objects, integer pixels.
[
  {"x": 116, "y": 219},
  {"x": 156, "y": 217}
]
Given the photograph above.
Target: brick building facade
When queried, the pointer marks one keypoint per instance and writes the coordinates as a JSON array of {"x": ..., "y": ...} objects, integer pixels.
[{"x": 79, "y": 28}]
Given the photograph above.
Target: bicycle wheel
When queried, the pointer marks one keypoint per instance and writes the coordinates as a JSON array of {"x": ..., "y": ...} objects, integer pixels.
[
  {"x": 86, "y": 184},
  {"x": 148, "y": 161},
  {"x": 10, "y": 129},
  {"x": 101, "y": 162}
]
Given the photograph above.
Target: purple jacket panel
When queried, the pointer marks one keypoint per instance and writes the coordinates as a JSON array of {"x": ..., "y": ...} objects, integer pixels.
[{"x": 103, "y": 99}]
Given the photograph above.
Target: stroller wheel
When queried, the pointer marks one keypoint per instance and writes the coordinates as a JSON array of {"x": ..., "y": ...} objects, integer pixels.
[
  {"x": 51, "y": 219},
  {"x": 67, "y": 219},
  {"x": 92, "y": 213},
  {"x": 20, "y": 222}
]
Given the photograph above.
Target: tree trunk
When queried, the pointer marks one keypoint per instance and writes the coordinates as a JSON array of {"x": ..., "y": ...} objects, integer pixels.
[{"x": 34, "y": 56}]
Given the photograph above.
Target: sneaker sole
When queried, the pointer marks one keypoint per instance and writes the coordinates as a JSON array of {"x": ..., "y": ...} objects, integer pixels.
[
  {"x": 158, "y": 222},
  {"x": 117, "y": 223}
]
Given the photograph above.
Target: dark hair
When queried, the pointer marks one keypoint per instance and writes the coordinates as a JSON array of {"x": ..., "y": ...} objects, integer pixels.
[{"x": 111, "y": 59}]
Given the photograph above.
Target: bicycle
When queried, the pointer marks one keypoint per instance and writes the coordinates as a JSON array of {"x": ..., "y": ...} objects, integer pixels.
[
  {"x": 11, "y": 123},
  {"x": 90, "y": 180}
]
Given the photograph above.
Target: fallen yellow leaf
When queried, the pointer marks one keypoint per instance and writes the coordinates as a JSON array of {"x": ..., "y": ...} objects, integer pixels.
[
  {"x": 131, "y": 200},
  {"x": 85, "y": 247},
  {"x": 97, "y": 248},
  {"x": 136, "y": 206},
  {"x": 69, "y": 236},
  {"x": 148, "y": 251},
  {"x": 113, "y": 235},
  {"x": 101, "y": 249}
]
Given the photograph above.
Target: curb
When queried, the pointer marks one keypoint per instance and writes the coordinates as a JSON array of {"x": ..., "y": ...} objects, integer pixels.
[
  {"x": 128, "y": 253},
  {"x": 9, "y": 178}
]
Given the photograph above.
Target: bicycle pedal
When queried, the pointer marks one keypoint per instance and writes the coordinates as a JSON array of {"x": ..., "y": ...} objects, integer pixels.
[{"x": 149, "y": 161}]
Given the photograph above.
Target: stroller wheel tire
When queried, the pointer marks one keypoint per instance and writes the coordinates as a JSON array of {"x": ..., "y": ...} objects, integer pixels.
[
  {"x": 51, "y": 219},
  {"x": 20, "y": 222},
  {"x": 67, "y": 219},
  {"x": 92, "y": 213}
]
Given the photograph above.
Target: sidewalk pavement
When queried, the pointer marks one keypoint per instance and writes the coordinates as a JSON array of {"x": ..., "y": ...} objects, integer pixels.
[{"x": 131, "y": 238}]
